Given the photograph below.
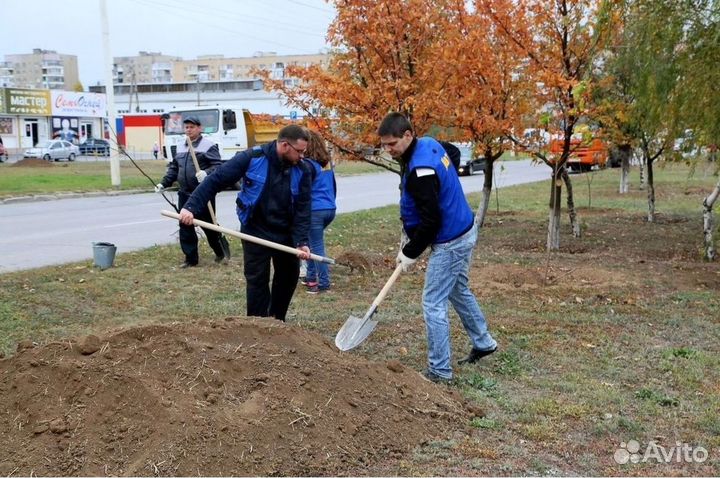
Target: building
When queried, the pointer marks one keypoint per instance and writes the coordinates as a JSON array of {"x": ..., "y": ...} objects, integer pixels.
[
  {"x": 154, "y": 67},
  {"x": 29, "y": 116},
  {"x": 46, "y": 69},
  {"x": 146, "y": 67},
  {"x": 218, "y": 68}
]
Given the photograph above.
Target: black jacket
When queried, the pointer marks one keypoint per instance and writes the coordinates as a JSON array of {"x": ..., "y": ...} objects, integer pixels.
[
  {"x": 182, "y": 168},
  {"x": 273, "y": 218}
]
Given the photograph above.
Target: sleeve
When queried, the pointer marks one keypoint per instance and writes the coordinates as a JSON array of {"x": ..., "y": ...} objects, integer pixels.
[
  {"x": 425, "y": 191},
  {"x": 171, "y": 174},
  {"x": 212, "y": 159},
  {"x": 301, "y": 221},
  {"x": 226, "y": 175}
]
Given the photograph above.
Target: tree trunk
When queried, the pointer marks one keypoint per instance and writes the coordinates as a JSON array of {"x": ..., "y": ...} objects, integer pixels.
[
  {"x": 486, "y": 193},
  {"x": 643, "y": 175},
  {"x": 709, "y": 223},
  {"x": 575, "y": 226},
  {"x": 553, "y": 237},
  {"x": 651, "y": 192},
  {"x": 625, "y": 152}
]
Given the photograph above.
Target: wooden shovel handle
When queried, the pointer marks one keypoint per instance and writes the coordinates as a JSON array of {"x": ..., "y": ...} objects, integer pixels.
[
  {"x": 191, "y": 148},
  {"x": 249, "y": 238}
]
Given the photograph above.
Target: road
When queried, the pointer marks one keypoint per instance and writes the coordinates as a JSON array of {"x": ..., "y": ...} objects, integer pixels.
[{"x": 37, "y": 234}]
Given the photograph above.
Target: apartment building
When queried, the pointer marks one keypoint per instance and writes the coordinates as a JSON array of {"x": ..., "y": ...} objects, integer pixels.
[
  {"x": 146, "y": 67},
  {"x": 218, "y": 68},
  {"x": 46, "y": 69}
]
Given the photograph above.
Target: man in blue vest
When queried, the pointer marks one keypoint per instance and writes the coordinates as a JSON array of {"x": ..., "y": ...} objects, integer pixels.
[
  {"x": 182, "y": 170},
  {"x": 436, "y": 214},
  {"x": 273, "y": 204}
]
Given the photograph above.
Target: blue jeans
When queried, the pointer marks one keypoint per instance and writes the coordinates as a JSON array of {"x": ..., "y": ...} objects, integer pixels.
[
  {"x": 446, "y": 280},
  {"x": 318, "y": 271}
]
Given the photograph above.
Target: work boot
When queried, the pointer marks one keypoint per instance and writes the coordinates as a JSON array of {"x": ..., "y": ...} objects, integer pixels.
[
  {"x": 187, "y": 264},
  {"x": 435, "y": 378},
  {"x": 221, "y": 259},
  {"x": 475, "y": 355}
]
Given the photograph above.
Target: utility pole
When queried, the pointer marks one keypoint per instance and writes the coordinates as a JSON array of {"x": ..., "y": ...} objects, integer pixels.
[{"x": 110, "y": 94}]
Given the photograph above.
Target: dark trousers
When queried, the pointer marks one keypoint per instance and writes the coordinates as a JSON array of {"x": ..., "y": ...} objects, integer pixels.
[
  {"x": 262, "y": 300},
  {"x": 188, "y": 237}
]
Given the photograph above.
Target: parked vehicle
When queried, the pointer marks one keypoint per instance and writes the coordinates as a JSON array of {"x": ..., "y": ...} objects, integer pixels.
[
  {"x": 469, "y": 164},
  {"x": 53, "y": 150},
  {"x": 95, "y": 147},
  {"x": 583, "y": 155}
]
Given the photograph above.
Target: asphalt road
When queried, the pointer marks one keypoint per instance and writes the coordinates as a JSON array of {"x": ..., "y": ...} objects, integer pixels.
[{"x": 37, "y": 234}]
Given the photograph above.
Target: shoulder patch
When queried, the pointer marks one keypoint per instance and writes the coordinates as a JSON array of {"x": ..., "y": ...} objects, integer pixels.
[
  {"x": 420, "y": 172},
  {"x": 446, "y": 161}
]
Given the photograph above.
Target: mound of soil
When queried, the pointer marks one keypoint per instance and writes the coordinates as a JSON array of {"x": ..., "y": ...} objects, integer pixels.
[
  {"x": 32, "y": 163},
  {"x": 232, "y": 397}
]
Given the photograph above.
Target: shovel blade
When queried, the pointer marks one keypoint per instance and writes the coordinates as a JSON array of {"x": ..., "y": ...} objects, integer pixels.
[{"x": 353, "y": 332}]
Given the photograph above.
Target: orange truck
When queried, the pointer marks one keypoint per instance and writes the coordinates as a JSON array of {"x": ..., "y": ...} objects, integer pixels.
[{"x": 584, "y": 155}]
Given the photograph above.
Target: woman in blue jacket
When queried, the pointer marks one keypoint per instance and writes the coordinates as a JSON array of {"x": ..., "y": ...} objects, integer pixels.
[{"x": 323, "y": 195}]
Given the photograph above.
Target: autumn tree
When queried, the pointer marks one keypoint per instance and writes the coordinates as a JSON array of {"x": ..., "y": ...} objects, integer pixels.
[
  {"x": 480, "y": 80},
  {"x": 560, "y": 40},
  {"x": 382, "y": 61}
]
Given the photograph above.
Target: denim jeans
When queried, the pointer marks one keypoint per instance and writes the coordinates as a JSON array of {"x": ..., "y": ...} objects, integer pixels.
[
  {"x": 446, "y": 280},
  {"x": 318, "y": 271}
]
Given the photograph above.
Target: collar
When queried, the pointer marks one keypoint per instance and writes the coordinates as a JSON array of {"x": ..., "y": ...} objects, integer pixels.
[{"x": 407, "y": 155}]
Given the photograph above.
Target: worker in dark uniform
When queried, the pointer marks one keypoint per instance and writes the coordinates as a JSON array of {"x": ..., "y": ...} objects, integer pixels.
[
  {"x": 435, "y": 214},
  {"x": 273, "y": 204},
  {"x": 182, "y": 170}
]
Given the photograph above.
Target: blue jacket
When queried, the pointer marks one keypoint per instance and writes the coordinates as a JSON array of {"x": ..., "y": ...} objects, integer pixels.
[
  {"x": 324, "y": 189},
  {"x": 182, "y": 168},
  {"x": 277, "y": 195},
  {"x": 456, "y": 215}
]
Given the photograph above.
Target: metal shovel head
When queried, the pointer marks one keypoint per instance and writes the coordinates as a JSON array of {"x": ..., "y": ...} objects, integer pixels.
[{"x": 353, "y": 332}]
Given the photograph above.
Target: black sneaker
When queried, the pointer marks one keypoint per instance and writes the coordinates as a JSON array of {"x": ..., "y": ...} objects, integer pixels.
[
  {"x": 187, "y": 264},
  {"x": 476, "y": 354},
  {"x": 435, "y": 378},
  {"x": 221, "y": 260}
]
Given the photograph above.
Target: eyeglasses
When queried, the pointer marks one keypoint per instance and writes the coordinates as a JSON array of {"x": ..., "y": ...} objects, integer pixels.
[{"x": 300, "y": 152}]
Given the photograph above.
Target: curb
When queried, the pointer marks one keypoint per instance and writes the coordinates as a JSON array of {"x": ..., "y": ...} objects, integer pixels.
[{"x": 51, "y": 197}]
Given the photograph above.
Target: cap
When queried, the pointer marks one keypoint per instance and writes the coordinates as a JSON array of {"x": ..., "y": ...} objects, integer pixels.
[{"x": 192, "y": 119}]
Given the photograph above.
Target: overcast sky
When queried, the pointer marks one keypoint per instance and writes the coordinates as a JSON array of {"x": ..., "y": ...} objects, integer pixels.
[{"x": 183, "y": 28}]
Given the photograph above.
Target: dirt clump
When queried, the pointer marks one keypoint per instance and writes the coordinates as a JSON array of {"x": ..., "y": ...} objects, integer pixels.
[
  {"x": 229, "y": 397},
  {"x": 32, "y": 163}
]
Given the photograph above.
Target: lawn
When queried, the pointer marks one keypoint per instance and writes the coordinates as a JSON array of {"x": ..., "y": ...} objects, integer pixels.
[
  {"x": 611, "y": 339},
  {"x": 65, "y": 177}
]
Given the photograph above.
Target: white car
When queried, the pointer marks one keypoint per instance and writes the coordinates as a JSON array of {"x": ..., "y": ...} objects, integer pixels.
[{"x": 53, "y": 150}]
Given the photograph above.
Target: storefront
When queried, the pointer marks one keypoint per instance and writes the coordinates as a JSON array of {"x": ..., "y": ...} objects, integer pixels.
[{"x": 32, "y": 116}]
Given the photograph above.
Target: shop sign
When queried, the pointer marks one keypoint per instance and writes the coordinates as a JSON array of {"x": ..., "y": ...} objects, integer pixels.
[
  {"x": 20, "y": 101},
  {"x": 78, "y": 104}
]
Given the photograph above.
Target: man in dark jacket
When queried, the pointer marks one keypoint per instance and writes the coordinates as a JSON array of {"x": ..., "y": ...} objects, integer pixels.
[
  {"x": 273, "y": 204},
  {"x": 182, "y": 170},
  {"x": 435, "y": 214}
]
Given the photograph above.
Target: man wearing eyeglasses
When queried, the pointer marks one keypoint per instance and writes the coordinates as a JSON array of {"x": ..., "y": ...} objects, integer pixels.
[{"x": 273, "y": 204}]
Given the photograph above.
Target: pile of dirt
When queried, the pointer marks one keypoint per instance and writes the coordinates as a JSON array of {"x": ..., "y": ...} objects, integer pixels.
[
  {"x": 32, "y": 163},
  {"x": 231, "y": 397}
]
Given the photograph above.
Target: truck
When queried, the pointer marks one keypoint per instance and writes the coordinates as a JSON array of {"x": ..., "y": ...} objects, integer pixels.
[
  {"x": 232, "y": 129},
  {"x": 584, "y": 155}
]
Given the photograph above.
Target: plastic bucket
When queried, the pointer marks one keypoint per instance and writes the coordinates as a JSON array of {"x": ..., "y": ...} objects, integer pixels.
[{"x": 104, "y": 254}]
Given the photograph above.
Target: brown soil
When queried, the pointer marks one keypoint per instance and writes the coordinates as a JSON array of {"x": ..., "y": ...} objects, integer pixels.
[
  {"x": 32, "y": 163},
  {"x": 232, "y": 397}
]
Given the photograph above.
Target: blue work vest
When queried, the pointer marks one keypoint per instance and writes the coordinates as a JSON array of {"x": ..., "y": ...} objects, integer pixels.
[
  {"x": 324, "y": 190},
  {"x": 456, "y": 215},
  {"x": 253, "y": 185}
]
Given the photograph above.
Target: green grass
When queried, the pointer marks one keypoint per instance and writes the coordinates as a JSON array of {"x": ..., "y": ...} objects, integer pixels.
[
  {"x": 621, "y": 343},
  {"x": 66, "y": 177}
]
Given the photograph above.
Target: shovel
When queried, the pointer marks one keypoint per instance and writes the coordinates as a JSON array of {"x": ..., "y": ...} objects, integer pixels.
[
  {"x": 354, "y": 331},
  {"x": 249, "y": 238},
  {"x": 223, "y": 241}
]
